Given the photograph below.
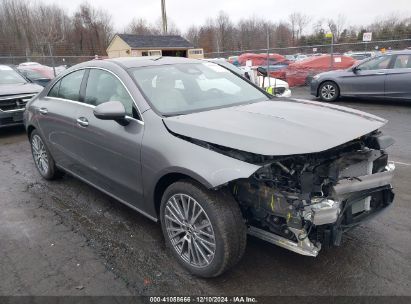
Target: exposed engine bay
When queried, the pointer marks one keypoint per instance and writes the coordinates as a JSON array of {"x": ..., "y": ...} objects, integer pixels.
[{"x": 304, "y": 202}]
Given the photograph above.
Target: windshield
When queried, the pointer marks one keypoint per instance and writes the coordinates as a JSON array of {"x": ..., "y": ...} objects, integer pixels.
[
  {"x": 10, "y": 76},
  {"x": 191, "y": 87}
]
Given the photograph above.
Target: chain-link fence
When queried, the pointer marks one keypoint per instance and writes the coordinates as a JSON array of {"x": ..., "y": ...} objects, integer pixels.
[
  {"x": 54, "y": 55},
  {"x": 338, "y": 48}
]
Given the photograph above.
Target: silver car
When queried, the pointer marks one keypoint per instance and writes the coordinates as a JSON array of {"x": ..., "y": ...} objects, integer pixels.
[
  {"x": 212, "y": 156},
  {"x": 385, "y": 76}
]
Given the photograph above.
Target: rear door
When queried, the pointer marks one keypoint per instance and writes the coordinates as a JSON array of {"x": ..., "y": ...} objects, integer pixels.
[
  {"x": 108, "y": 153},
  {"x": 368, "y": 79},
  {"x": 56, "y": 116},
  {"x": 398, "y": 81}
]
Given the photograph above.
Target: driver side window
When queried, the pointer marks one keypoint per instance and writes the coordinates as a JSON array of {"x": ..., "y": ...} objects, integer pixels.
[
  {"x": 378, "y": 63},
  {"x": 103, "y": 86}
]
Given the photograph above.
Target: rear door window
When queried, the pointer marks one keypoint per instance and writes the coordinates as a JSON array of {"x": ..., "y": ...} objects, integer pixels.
[
  {"x": 69, "y": 87},
  {"x": 402, "y": 62},
  {"x": 54, "y": 92}
]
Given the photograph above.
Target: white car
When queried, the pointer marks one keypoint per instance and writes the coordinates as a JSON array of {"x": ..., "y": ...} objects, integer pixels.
[
  {"x": 301, "y": 57},
  {"x": 280, "y": 87}
]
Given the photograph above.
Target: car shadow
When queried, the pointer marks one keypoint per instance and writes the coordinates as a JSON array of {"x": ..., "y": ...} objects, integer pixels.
[
  {"x": 374, "y": 101},
  {"x": 11, "y": 131}
]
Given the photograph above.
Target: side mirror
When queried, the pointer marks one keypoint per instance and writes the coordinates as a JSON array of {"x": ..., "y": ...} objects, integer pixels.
[
  {"x": 247, "y": 75},
  {"x": 111, "y": 110},
  {"x": 356, "y": 69},
  {"x": 262, "y": 71}
]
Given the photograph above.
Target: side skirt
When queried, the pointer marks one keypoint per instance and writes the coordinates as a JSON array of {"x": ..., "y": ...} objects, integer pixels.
[{"x": 108, "y": 193}]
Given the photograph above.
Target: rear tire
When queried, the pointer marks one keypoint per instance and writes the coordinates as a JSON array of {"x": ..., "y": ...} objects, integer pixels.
[
  {"x": 204, "y": 229},
  {"x": 42, "y": 158},
  {"x": 329, "y": 91}
]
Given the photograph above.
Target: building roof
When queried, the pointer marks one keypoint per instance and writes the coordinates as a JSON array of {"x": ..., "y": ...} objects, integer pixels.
[{"x": 155, "y": 41}]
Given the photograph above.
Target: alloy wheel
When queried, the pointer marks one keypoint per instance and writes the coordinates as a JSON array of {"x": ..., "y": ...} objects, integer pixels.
[
  {"x": 40, "y": 154},
  {"x": 328, "y": 92},
  {"x": 190, "y": 230}
]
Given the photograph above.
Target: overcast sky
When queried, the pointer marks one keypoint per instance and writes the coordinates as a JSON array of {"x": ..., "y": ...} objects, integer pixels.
[{"x": 187, "y": 12}]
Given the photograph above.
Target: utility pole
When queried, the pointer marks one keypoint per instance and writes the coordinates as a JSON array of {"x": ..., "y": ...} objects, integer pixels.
[
  {"x": 164, "y": 16},
  {"x": 268, "y": 57}
]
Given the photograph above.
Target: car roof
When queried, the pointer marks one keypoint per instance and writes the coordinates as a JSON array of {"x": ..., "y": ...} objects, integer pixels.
[
  {"x": 402, "y": 52},
  {"x": 135, "y": 62}
]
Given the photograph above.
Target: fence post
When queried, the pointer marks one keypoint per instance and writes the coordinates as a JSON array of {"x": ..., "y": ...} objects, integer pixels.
[
  {"x": 52, "y": 59},
  {"x": 332, "y": 52}
]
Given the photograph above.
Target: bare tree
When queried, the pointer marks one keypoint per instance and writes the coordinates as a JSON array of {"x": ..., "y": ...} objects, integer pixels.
[
  {"x": 172, "y": 28},
  {"x": 193, "y": 36},
  {"x": 92, "y": 29},
  {"x": 224, "y": 31},
  {"x": 298, "y": 23},
  {"x": 139, "y": 26},
  {"x": 337, "y": 26},
  {"x": 302, "y": 22}
]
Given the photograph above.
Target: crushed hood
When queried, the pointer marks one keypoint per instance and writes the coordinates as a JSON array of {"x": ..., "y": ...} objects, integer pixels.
[{"x": 279, "y": 127}]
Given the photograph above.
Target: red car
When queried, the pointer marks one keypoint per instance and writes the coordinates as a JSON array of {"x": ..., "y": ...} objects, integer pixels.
[
  {"x": 299, "y": 73},
  {"x": 261, "y": 59}
]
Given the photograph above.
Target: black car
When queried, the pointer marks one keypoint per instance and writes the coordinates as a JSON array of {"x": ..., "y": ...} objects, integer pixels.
[
  {"x": 387, "y": 76},
  {"x": 15, "y": 92}
]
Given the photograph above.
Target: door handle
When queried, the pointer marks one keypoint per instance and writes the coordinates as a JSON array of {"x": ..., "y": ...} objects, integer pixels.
[
  {"x": 43, "y": 111},
  {"x": 82, "y": 122},
  {"x": 380, "y": 73}
]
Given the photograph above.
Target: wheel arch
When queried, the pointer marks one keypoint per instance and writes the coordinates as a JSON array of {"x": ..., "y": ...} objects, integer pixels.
[
  {"x": 30, "y": 130},
  {"x": 169, "y": 178},
  {"x": 328, "y": 80}
]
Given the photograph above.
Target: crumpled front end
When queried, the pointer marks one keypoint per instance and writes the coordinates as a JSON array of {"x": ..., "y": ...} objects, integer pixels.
[{"x": 305, "y": 202}]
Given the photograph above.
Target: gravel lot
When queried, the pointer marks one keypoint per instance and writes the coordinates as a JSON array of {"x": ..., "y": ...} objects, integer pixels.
[{"x": 66, "y": 238}]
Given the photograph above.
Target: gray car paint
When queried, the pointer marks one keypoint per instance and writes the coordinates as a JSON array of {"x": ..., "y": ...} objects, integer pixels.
[
  {"x": 21, "y": 88},
  {"x": 280, "y": 127},
  {"x": 390, "y": 82},
  {"x": 128, "y": 162},
  {"x": 398, "y": 83},
  {"x": 108, "y": 154}
]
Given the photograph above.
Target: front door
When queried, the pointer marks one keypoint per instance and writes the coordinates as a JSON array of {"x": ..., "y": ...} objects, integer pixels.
[
  {"x": 108, "y": 153},
  {"x": 368, "y": 79}
]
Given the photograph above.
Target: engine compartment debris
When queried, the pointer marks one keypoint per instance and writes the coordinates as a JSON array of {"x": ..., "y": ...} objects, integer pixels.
[{"x": 303, "y": 202}]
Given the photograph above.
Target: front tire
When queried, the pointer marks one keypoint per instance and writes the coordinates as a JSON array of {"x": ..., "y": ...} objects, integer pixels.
[
  {"x": 42, "y": 158},
  {"x": 329, "y": 91},
  {"x": 204, "y": 229}
]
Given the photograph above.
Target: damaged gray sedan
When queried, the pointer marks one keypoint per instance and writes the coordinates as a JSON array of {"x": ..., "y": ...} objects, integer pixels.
[{"x": 212, "y": 156}]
